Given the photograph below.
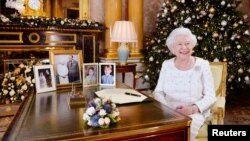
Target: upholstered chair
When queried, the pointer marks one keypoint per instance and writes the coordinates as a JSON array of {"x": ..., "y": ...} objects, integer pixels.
[{"x": 219, "y": 71}]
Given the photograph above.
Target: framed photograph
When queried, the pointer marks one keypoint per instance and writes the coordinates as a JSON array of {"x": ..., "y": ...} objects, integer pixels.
[
  {"x": 107, "y": 74},
  {"x": 45, "y": 79},
  {"x": 67, "y": 67},
  {"x": 90, "y": 74}
]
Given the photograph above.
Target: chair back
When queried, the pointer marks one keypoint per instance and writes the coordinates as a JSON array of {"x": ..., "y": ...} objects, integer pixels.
[{"x": 219, "y": 72}]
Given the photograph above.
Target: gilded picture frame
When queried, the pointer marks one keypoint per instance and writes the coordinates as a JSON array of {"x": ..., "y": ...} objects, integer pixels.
[
  {"x": 107, "y": 74},
  {"x": 90, "y": 74},
  {"x": 67, "y": 67},
  {"x": 45, "y": 79}
]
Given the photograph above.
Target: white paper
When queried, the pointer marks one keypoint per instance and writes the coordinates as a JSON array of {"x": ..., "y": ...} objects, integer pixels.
[{"x": 118, "y": 95}]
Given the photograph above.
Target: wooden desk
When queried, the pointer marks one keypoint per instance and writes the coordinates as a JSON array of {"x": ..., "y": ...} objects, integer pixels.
[
  {"x": 47, "y": 116},
  {"x": 127, "y": 68}
]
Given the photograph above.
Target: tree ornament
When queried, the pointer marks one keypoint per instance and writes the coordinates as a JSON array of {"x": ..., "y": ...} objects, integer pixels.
[
  {"x": 238, "y": 46},
  {"x": 232, "y": 76},
  {"x": 165, "y": 10},
  {"x": 246, "y": 32},
  {"x": 146, "y": 77},
  {"x": 216, "y": 60},
  {"x": 245, "y": 16},
  {"x": 223, "y": 23},
  {"x": 211, "y": 10},
  {"x": 151, "y": 59},
  {"x": 215, "y": 35},
  {"x": 235, "y": 25},
  {"x": 199, "y": 38},
  {"x": 247, "y": 78},
  {"x": 223, "y": 3},
  {"x": 240, "y": 70},
  {"x": 211, "y": 15},
  {"x": 225, "y": 59}
]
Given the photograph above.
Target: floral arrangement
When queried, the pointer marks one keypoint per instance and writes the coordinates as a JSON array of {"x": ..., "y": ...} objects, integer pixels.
[
  {"x": 101, "y": 113},
  {"x": 45, "y": 22},
  {"x": 16, "y": 84}
]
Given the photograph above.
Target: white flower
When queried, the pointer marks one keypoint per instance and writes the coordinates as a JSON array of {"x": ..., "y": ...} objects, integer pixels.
[
  {"x": 101, "y": 121},
  {"x": 115, "y": 113},
  {"x": 27, "y": 70},
  {"x": 21, "y": 65},
  {"x": 86, "y": 116},
  {"x": 90, "y": 123},
  {"x": 97, "y": 100},
  {"x": 5, "y": 92},
  {"x": 24, "y": 87},
  {"x": 22, "y": 97},
  {"x": 113, "y": 105},
  {"x": 12, "y": 92},
  {"x": 91, "y": 111},
  {"x": 28, "y": 79},
  {"x": 107, "y": 120},
  {"x": 12, "y": 78},
  {"x": 102, "y": 112},
  {"x": 33, "y": 80}
]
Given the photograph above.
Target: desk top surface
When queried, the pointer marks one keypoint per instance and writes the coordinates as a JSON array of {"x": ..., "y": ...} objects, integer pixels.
[{"x": 48, "y": 116}]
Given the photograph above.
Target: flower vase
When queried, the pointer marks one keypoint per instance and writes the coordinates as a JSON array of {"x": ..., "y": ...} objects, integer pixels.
[{"x": 123, "y": 53}]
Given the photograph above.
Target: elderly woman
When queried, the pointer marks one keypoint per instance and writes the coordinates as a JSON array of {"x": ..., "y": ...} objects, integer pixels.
[{"x": 185, "y": 83}]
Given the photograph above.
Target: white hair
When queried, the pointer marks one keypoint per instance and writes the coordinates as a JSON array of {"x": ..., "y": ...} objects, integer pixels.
[{"x": 177, "y": 32}]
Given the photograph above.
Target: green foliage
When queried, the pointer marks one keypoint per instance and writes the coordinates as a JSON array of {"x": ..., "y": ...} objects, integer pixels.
[
  {"x": 45, "y": 22},
  {"x": 221, "y": 30}
]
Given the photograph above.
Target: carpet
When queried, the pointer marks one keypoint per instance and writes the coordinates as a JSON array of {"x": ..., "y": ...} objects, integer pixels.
[{"x": 237, "y": 109}]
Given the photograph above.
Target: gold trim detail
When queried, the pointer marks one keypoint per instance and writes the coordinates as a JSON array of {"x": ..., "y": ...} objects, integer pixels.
[
  {"x": 32, "y": 36},
  {"x": 19, "y": 34},
  {"x": 59, "y": 38}
]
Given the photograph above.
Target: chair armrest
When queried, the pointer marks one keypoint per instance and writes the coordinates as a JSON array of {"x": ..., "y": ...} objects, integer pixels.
[{"x": 218, "y": 111}]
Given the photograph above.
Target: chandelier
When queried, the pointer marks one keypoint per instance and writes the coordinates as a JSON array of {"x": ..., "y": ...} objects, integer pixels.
[{"x": 16, "y": 4}]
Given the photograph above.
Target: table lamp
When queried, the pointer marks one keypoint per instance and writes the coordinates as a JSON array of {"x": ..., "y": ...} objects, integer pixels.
[{"x": 123, "y": 32}]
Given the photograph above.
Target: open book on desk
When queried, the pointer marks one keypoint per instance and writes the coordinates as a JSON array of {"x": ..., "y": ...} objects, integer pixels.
[{"x": 122, "y": 96}]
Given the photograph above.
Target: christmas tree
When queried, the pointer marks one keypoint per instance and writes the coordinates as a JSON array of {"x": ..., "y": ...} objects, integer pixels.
[{"x": 222, "y": 33}]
